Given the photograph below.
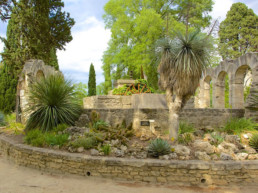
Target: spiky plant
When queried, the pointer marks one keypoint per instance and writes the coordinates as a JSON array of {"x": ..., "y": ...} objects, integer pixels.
[
  {"x": 159, "y": 147},
  {"x": 254, "y": 141},
  {"x": 182, "y": 63},
  {"x": 52, "y": 101}
]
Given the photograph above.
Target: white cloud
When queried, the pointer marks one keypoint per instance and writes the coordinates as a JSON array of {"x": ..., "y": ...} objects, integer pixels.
[
  {"x": 220, "y": 9},
  {"x": 87, "y": 46}
]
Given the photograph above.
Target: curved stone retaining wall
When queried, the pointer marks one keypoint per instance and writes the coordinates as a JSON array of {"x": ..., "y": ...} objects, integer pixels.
[{"x": 149, "y": 170}]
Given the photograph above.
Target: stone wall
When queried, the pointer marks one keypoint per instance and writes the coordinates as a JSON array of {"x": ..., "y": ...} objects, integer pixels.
[
  {"x": 198, "y": 117},
  {"x": 199, "y": 173}
]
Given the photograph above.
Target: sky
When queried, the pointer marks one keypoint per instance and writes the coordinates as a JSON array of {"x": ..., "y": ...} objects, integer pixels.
[{"x": 90, "y": 38}]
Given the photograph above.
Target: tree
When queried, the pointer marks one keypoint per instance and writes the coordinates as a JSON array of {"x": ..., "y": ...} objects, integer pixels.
[
  {"x": 37, "y": 28},
  {"x": 137, "y": 25},
  {"x": 182, "y": 62},
  {"x": 81, "y": 91},
  {"x": 5, "y": 9},
  {"x": 238, "y": 33},
  {"x": 92, "y": 81}
]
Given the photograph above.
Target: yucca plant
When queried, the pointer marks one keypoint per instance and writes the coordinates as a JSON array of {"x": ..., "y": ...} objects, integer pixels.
[
  {"x": 159, "y": 147},
  {"x": 254, "y": 141},
  {"x": 52, "y": 101}
]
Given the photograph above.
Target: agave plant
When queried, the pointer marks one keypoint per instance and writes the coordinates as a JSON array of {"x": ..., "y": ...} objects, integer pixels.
[
  {"x": 254, "y": 141},
  {"x": 159, "y": 147},
  {"x": 52, "y": 101}
]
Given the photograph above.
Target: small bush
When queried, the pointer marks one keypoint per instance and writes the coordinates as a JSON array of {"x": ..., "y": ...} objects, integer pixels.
[
  {"x": 106, "y": 149},
  {"x": 237, "y": 126},
  {"x": 86, "y": 142},
  {"x": 218, "y": 139},
  {"x": 186, "y": 138},
  {"x": 185, "y": 127},
  {"x": 159, "y": 147},
  {"x": 2, "y": 119},
  {"x": 254, "y": 141},
  {"x": 35, "y": 138},
  {"x": 60, "y": 127},
  {"x": 52, "y": 139}
]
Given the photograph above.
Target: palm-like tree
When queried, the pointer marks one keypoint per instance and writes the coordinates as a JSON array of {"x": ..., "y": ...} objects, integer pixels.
[{"x": 182, "y": 63}]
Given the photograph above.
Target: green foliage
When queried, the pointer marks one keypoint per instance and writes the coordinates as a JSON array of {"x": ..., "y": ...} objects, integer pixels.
[
  {"x": 92, "y": 81},
  {"x": 185, "y": 127},
  {"x": 246, "y": 92},
  {"x": 238, "y": 32},
  {"x": 52, "y": 139},
  {"x": 43, "y": 28},
  {"x": 136, "y": 26},
  {"x": 218, "y": 139},
  {"x": 86, "y": 142},
  {"x": 40, "y": 139},
  {"x": 140, "y": 86},
  {"x": 101, "y": 89},
  {"x": 2, "y": 119},
  {"x": 159, "y": 147},
  {"x": 106, "y": 149},
  {"x": 81, "y": 91},
  {"x": 60, "y": 128},
  {"x": 237, "y": 126},
  {"x": 186, "y": 138},
  {"x": 52, "y": 101},
  {"x": 254, "y": 141}
]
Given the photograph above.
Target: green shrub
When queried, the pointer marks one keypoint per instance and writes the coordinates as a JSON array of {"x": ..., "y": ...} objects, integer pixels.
[
  {"x": 254, "y": 141},
  {"x": 185, "y": 127},
  {"x": 86, "y": 142},
  {"x": 60, "y": 127},
  {"x": 186, "y": 138},
  {"x": 2, "y": 119},
  {"x": 218, "y": 139},
  {"x": 51, "y": 139},
  {"x": 159, "y": 147},
  {"x": 52, "y": 101},
  {"x": 106, "y": 149},
  {"x": 35, "y": 138},
  {"x": 237, "y": 126}
]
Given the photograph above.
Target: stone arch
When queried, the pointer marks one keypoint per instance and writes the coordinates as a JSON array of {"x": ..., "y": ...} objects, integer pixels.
[{"x": 219, "y": 90}]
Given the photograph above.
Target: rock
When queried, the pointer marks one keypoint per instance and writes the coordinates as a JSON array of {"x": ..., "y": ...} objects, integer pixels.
[
  {"x": 123, "y": 148},
  {"x": 250, "y": 150},
  {"x": 80, "y": 149},
  {"x": 70, "y": 149},
  {"x": 203, "y": 146},
  {"x": 241, "y": 156},
  {"x": 202, "y": 156},
  {"x": 182, "y": 150},
  {"x": 115, "y": 142},
  {"x": 56, "y": 147},
  {"x": 164, "y": 157},
  {"x": 235, "y": 139},
  {"x": 173, "y": 156},
  {"x": 228, "y": 148},
  {"x": 145, "y": 137},
  {"x": 141, "y": 155},
  {"x": 247, "y": 135},
  {"x": 94, "y": 152},
  {"x": 70, "y": 138},
  {"x": 253, "y": 157},
  {"x": 76, "y": 130},
  {"x": 209, "y": 138},
  {"x": 214, "y": 157},
  {"x": 119, "y": 153},
  {"x": 224, "y": 156},
  {"x": 199, "y": 133},
  {"x": 83, "y": 121},
  {"x": 184, "y": 157}
]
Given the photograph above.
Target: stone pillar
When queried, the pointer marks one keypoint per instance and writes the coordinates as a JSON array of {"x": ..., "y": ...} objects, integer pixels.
[{"x": 219, "y": 95}]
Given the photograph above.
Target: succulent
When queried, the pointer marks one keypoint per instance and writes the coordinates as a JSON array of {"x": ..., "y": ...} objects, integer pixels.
[
  {"x": 159, "y": 147},
  {"x": 2, "y": 121},
  {"x": 254, "y": 141},
  {"x": 186, "y": 138}
]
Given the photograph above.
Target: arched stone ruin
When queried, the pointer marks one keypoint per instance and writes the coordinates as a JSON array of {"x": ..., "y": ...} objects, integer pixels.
[
  {"x": 236, "y": 71},
  {"x": 33, "y": 70}
]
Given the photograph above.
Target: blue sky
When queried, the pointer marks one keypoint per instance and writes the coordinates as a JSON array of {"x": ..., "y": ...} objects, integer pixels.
[{"x": 90, "y": 37}]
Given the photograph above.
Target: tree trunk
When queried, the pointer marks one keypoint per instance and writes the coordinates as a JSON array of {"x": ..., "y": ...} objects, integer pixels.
[{"x": 174, "y": 106}]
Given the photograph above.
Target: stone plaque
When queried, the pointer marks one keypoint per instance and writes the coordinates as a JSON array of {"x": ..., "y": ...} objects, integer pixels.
[{"x": 145, "y": 123}]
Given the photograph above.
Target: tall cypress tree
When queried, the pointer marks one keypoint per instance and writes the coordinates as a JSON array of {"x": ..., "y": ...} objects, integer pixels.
[
  {"x": 92, "y": 81},
  {"x": 37, "y": 28}
]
